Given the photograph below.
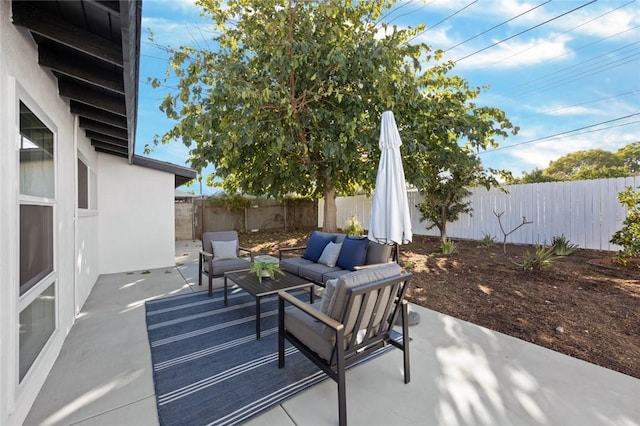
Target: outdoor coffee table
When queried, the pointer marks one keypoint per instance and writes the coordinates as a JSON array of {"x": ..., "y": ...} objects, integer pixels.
[{"x": 249, "y": 282}]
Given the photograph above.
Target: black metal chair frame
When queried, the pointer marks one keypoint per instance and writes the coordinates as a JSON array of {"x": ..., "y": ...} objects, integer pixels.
[{"x": 349, "y": 352}]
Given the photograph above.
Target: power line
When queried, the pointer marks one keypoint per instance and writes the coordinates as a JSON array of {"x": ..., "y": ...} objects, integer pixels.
[
  {"x": 590, "y": 101},
  {"x": 597, "y": 68},
  {"x": 499, "y": 25},
  {"x": 567, "y": 133},
  {"x": 443, "y": 20},
  {"x": 524, "y": 31},
  {"x": 568, "y": 31}
]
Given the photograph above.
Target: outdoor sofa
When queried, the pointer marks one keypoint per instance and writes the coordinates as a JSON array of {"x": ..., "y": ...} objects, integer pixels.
[{"x": 330, "y": 255}]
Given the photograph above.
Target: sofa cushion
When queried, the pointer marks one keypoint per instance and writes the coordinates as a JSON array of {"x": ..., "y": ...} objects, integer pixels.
[
  {"x": 292, "y": 264},
  {"x": 315, "y": 271},
  {"x": 335, "y": 237},
  {"x": 378, "y": 253},
  {"x": 354, "y": 279},
  {"x": 330, "y": 254},
  {"x": 353, "y": 253},
  {"x": 316, "y": 245}
]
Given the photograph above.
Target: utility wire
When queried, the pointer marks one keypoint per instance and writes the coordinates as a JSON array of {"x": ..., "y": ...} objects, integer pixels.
[
  {"x": 499, "y": 25},
  {"x": 596, "y": 68},
  {"x": 565, "y": 32},
  {"x": 443, "y": 20},
  {"x": 567, "y": 133},
  {"x": 524, "y": 31},
  {"x": 587, "y": 102}
]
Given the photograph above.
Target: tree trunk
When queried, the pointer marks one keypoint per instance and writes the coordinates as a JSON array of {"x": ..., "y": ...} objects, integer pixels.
[
  {"x": 442, "y": 226},
  {"x": 330, "y": 210},
  {"x": 443, "y": 231}
]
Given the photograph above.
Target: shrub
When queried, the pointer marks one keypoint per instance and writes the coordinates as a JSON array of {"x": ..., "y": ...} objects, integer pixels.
[
  {"x": 487, "y": 240},
  {"x": 629, "y": 236},
  {"x": 541, "y": 257},
  {"x": 563, "y": 247},
  {"x": 353, "y": 227},
  {"x": 448, "y": 246}
]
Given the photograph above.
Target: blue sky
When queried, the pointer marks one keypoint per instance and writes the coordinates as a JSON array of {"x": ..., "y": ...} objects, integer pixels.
[{"x": 569, "y": 78}]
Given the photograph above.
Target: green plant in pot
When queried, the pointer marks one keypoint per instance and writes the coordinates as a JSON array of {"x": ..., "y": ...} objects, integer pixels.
[{"x": 264, "y": 269}]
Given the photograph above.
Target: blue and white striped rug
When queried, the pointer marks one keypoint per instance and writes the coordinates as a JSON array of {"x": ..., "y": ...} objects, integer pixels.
[{"x": 208, "y": 367}]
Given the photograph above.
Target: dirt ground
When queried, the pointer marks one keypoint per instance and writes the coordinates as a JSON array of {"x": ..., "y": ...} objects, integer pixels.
[{"x": 582, "y": 305}]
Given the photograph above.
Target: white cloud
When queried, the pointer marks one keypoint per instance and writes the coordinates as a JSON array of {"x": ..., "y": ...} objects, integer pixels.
[
  {"x": 175, "y": 33},
  {"x": 514, "y": 53}
]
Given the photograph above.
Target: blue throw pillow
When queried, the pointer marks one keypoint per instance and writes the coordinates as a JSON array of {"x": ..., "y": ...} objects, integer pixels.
[
  {"x": 315, "y": 246},
  {"x": 353, "y": 253}
]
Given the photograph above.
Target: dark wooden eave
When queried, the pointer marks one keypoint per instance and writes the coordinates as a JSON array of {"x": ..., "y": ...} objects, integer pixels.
[{"x": 92, "y": 47}]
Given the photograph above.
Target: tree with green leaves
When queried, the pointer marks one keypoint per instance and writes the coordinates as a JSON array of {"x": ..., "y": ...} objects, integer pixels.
[
  {"x": 588, "y": 164},
  {"x": 290, "y": 99},
  {"x": 442, "y": 142}
]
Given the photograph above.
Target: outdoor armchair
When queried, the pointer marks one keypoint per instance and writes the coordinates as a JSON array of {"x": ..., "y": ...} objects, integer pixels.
[
  {"x": 352, "y": 321},
  {"x": 221, "y": 253}
]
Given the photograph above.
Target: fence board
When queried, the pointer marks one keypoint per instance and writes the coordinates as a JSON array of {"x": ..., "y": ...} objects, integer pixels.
[{"x": 587, "y": 213}]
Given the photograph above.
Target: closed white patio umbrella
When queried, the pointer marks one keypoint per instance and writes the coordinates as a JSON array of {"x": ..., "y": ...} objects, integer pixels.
[{"x": 390, "y": 218}]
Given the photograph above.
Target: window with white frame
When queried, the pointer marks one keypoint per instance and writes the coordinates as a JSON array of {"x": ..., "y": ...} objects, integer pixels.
[
  {"x": 37, "y": 291},
  {"x": 87, "y": 186}
]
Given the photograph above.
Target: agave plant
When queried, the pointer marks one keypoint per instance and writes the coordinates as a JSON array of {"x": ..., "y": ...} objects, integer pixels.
[
  {"x": 563, "y": 247},
  {"x": 541, "y": 257}
]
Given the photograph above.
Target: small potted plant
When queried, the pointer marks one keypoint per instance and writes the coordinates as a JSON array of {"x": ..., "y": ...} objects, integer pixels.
[{"x": 264, "y": 269}]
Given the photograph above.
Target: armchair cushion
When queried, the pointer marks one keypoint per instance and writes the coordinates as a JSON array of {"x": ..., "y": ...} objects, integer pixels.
[
  {"x": 224, "y": 249},
  {"x": 330, "y": 254},
  {"x": 329, "y": 289},
  {"x": 221, "y": 266},
  {"x": 316, "y": 245},
  {"x": 353, "y": 253},
  {"x": 309, "y": 331},
  {"x": 345, "y": 282}
]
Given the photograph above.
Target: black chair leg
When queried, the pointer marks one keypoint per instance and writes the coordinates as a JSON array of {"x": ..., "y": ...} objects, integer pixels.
[{"x": 405, "y": 342}]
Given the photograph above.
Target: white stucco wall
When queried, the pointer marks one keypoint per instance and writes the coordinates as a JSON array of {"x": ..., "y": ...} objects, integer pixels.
[
  {"x": 22, "y": 79},
  {"x": 87, "y": 261},
  {"x": 136, "y": 219}
]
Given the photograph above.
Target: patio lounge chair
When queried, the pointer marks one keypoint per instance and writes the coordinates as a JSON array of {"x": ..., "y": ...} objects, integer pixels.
[
  {"x": 221, "y": 253},
  {"x": 347, "y": 325}
]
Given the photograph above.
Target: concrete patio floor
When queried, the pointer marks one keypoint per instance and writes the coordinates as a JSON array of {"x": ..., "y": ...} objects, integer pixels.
[{"x": 461, "y": 374}]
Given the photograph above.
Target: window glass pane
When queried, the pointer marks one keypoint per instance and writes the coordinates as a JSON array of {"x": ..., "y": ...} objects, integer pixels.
[
  {"x": 36, "y": 244},
  {"x": 37, "y": 322},
  {"x": 83, "y": 185},
  {"x": 93, "y": 193},
  {"x": 36, "y": 156}
]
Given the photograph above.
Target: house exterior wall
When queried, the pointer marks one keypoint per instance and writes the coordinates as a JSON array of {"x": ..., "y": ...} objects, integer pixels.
[
  {"x": 21, "y": 79},
  {"x": 124, "y": 244},
  {"x": 129, "y": 227},
  {"x": 87, "y": 259}
]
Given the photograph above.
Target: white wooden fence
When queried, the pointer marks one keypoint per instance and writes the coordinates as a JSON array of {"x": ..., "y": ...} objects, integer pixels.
[{"x": 586, "y": 212}]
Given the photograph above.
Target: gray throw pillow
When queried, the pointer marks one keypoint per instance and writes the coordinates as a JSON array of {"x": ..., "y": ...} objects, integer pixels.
[
  {"x": 224, "y": 249},
  {"x": 330, "y": 254}
]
